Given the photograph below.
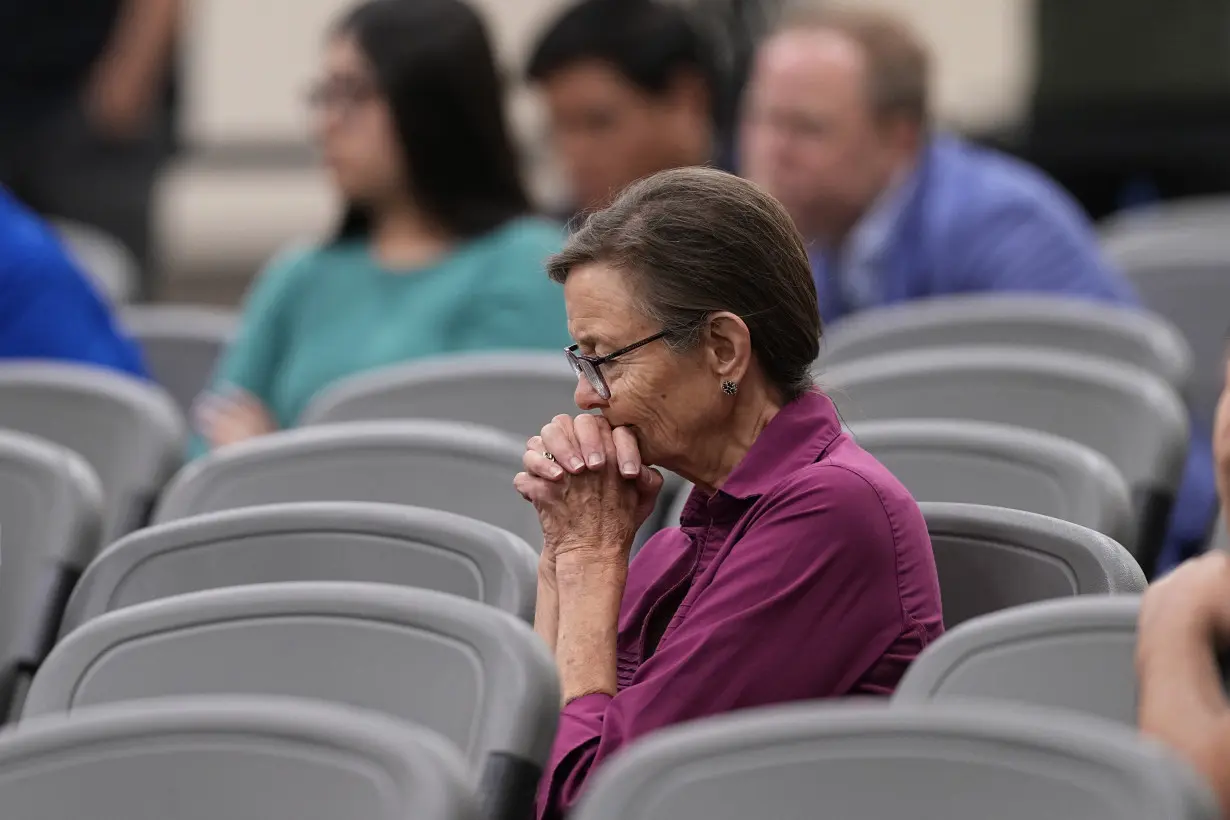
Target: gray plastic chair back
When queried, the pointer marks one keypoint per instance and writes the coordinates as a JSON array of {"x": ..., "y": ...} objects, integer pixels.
[
  {"x": 1179, "y": 261},
  {"x": 457, "y": 468},
  {"x": 992, "y": 558},
  {"x": 1128, "y": 414},
  {"x": 1219, "y": 536},
  {"x": 1003, "y": 466},
  {"x": 1077, "y": 653},
  {"x": 50, "y": 525},
  {"x": 510, "y": 391},
  {"x": 129, "y": 431},
  {"x": 181, "y": 344},
  {"x": 1115, "y": 332},
  {"x": 478, "y": 676},
  {"x": 109, "y": 264},
  {"x": 844, "y": 761},
  {"x": 212, "y": 758},
  {"x": 331, "y": 541}
]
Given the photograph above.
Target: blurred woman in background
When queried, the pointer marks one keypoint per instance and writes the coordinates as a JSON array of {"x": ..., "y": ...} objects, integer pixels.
[{"x": 436, "y": 253}]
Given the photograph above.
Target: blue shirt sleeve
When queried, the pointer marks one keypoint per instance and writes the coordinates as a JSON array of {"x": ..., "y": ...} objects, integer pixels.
[
  {"x": 49, "y": 310},
  {"x": 1036, "y": 244}
]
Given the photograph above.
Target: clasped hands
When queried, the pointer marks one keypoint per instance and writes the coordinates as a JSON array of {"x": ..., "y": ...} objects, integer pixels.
[{"x": 592, "y": 494}]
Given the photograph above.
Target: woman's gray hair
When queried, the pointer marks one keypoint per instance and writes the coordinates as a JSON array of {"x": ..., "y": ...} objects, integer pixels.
[{"x": 695, "y": 241}]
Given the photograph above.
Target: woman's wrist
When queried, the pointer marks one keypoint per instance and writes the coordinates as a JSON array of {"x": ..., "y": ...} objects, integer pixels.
[
  {"x": 590, "y": 584},
  {"x": 589, "y": 566}
]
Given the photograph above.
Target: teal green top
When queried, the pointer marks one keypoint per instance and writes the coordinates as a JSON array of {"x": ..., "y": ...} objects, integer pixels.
[{"x": 319, "y": 315}]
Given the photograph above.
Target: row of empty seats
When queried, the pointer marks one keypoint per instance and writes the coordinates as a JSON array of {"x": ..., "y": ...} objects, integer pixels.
[
  {"x": 481, "y": 680},
  {"x": 288, "y": 759}
]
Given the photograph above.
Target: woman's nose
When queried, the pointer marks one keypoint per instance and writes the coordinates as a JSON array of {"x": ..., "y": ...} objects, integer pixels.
[{"x": 586, "y": 397}]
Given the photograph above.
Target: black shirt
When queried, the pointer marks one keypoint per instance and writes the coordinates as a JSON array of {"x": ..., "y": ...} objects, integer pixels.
[{"x": 47, "y": 49}]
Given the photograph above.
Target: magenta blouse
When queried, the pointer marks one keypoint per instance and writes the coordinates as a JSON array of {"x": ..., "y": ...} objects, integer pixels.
[{"x": 809, "y": 574}]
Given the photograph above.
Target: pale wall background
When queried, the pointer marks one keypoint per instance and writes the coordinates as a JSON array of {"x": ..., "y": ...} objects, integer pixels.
[{"x": 248, "y": 63}]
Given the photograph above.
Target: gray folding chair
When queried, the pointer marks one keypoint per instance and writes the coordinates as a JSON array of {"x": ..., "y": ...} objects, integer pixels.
[
  {"x": 1178, "y": 257},
  {"x": 1128, "y": 414},
  {"x": 128, "y": 430},
  {"x": 50, "y": 524},
  {"x": 478, "y": 676},
  {"x": 458, "y": 468},
  {"x": 842, "y": 761},
  {"x": 1003, "y": 466},
  {"x": 330, "y": 541},
  {"x": 181, "y": 344},
  {"x": 213, "y": 758},
  {"x": 992, "y": 558},
  {"x": 1077, "y": 653},
  {"x": 1000, "y": 466},
  {"x": 515, "y": 392},
  {"x": 1115, "y": 332},
  {"x": 109, "y": 264}
]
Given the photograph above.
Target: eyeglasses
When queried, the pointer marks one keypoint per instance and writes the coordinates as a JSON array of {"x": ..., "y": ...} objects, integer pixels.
[
  {"x": 342, "y": 94},
  {"x": 590, "y": 366}
]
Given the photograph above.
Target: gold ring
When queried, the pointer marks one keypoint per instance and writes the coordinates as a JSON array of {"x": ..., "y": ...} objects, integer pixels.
[{"x": 548, "y": 456}]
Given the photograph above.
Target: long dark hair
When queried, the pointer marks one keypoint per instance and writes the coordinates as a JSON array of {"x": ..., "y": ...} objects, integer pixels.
[{"x": 436, "y": 68}]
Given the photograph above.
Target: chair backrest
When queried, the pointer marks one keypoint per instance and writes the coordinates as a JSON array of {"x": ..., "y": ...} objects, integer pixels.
[
  {"x": 457, "y": 468},
  {"x": 480, "y": 677},
  {"x": 1219, "y": 536},
  {"x": 1179, "y": 262},
  {"x": 1003, "y": 466},
  {"x": 1116, "y": 332},
  {"x": 992, "y": 558},
  {"x": 181, "y": 344},
  {"x": 50, "y": 525},
  {"x": 209, "y": 758},
  {"x": 128, "y": 430},
  {"x": 110, "y": 265},
  {"x": 1126, "y": 413},
  {"x": 1076, "y": 653},
  {"x": 331, "y": 541},
  {"x": 510, "y": 391},
  {"x": 847, "y": 761}
]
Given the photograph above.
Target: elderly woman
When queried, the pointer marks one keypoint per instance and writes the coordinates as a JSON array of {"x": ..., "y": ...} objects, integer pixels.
[{"x": 802, "y": 568}]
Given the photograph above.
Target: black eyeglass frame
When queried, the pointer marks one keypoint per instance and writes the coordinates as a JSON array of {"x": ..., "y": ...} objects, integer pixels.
[{"x": 591, "y": 366}]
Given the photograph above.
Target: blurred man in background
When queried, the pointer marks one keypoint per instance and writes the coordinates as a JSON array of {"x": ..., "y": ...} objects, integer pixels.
[
  {"x": 630, "y": 88},
  {"x": 49, "y": 309},
  {"x": 84, "y": 108},
  {"x": 836, "y": 125}
]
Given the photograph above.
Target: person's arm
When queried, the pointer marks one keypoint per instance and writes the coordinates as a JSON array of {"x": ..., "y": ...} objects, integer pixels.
[
  {"x": 133, "y": 68},
  {"x": 251, "y": 361},
  {"x": 1184, "y": 619},
  {"x": 50, "y": 311},
  {"x": 1040, "y": 244},
  {"x": 546, "y": 606},
  {"x": 802, "y": 607}
]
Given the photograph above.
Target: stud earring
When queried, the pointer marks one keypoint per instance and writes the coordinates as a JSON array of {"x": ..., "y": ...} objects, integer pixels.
[{"x": 729, "y": 387}]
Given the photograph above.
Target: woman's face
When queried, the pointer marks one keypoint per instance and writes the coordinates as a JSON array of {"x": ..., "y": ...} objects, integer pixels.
[
  {"x": 668, "y": 399},
  {"x": 354, "y": 126}
]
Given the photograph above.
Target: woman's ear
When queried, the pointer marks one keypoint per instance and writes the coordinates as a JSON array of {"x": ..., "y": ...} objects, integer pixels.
[{"x": 730, "y": 346}]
